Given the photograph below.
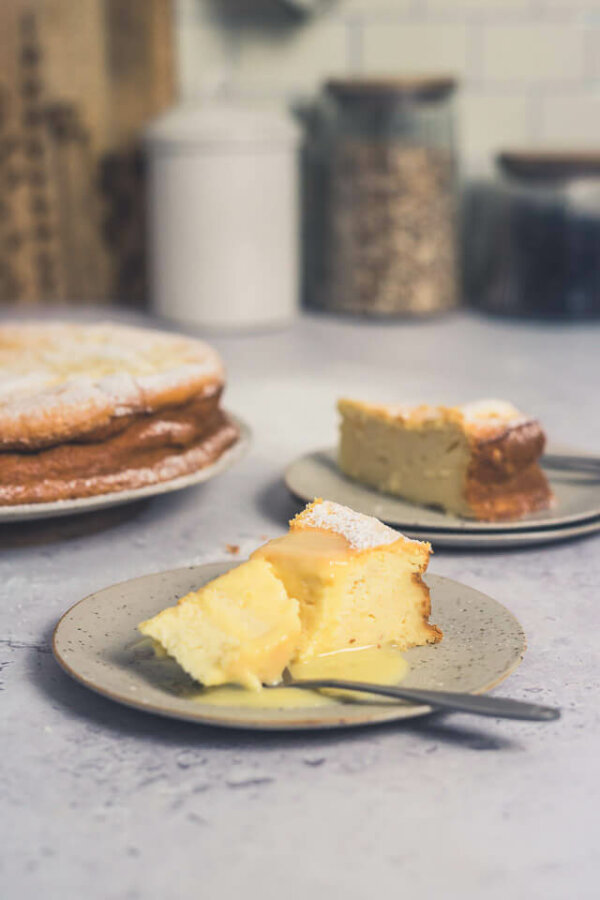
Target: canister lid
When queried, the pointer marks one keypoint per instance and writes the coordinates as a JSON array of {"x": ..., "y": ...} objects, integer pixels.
[
  {"x": 421, "y": 87},
  {"x": 221, "y": 124},
  {"x": 549, "y": 164}
]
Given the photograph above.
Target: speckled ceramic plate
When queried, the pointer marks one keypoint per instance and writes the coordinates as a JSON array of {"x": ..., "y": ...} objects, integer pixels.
[
  {"x": 29, "y": 511},
  {"x": 317, "y": 475},
  {"x": 97, "y": 643}
]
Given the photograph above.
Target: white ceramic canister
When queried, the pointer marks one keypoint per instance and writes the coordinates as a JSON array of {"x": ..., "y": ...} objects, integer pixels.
[{"x": 223, "y": 216}]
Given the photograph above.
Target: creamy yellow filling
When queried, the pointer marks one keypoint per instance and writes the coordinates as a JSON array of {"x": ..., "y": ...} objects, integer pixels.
[
  {"x": 349, "y": 599},
  {"x": 241, "y": 628},
  {"x": 375, "y": 666}
]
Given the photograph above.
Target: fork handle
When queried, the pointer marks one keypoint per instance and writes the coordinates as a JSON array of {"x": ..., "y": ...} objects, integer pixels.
[
  {"x": 479, "y": 704},
  {"x": 583, "y": 464}
]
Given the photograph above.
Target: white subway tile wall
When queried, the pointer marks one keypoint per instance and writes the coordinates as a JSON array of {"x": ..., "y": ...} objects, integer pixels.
[
  {"x": 529, "y": 54},
  {"x": 484, "y": 7},
  {"x": 529, "y": 69},
  {"x": 418, "y": 48},
  {"x": 379, "y": 6},
  {"x": 489, "y": 122},
  {"x": 571, "y": 118},
  {"x": 294, "y": 61}
]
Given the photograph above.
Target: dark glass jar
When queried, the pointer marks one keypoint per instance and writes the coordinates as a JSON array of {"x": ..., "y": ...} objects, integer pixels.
[
  {"x": 543, "y": 236},
  {"x": 386, "y": 191}
]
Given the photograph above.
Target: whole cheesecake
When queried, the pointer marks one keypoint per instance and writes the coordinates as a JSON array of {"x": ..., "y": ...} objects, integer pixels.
[
  {"x": 91, "y": 409},
  {"x": 479, "y": 460},
  {"x": 337, "y": 581}
]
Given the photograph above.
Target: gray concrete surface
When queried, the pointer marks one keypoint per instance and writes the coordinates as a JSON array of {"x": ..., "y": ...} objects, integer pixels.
[{"x": 104, "y": 803}]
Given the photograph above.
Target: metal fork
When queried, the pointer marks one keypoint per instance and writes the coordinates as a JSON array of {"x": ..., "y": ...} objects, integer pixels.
[
  {"x": 589, "y": 465},
  {"x": 478, "y": 704}
]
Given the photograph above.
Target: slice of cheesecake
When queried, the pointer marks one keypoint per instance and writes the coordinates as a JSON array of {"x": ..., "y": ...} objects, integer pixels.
[
  {"x": 480, "y": 460},
  {"x": 357, "y": 581},
  {"x": 336, "y": 581},
  {"x": 242, "y": 628}
]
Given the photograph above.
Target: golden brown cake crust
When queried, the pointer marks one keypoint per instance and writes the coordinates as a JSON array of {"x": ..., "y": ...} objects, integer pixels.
[
  {"x": 91, "y": 409},
  {"x": 147, "y": 449},
  {"x": 435, "y": 632},
  {"x": 59, "y": 381},
  {"x": 503, "y": 454},
  {"x": 504, "y": 480}
]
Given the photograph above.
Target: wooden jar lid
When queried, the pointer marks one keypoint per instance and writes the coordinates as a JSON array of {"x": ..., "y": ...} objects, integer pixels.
[
  {"x": 426, "y": 87},
  {"x": 550, "y": 164}
]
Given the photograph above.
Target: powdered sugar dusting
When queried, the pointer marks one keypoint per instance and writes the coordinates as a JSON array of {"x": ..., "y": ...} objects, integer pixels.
[
  {"x": 404, "y": 413},
  {"x": 362, "y": 532},
  {"x": 53, "y": 375},
  {"x": 479, "y": 413},
  {"x": 491, "y": 412}
]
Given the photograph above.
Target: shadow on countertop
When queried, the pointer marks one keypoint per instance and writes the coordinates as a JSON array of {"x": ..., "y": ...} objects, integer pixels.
[
  {"x": 277, "y": 504},
  {"x": 37, "y": 532}
]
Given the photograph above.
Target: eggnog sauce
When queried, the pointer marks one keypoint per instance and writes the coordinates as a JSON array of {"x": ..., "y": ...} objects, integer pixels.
[{"x": 379, "y": 665}]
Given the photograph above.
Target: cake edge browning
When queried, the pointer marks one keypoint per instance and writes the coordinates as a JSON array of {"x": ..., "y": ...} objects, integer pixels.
[
  {"x": 504, "y": 478},
  {"x": 168, "y": 465},
  {"x": 481, "y": 419},
  {"x": 105, "y": 425},
  {"x": 69, "y": 408},
  {"x": 435, "y": 632}
]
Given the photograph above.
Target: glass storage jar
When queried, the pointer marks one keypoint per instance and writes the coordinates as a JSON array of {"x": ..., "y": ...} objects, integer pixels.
[
  {"x": 383, "y": 198},
  {"x": 542, "y": 236}
]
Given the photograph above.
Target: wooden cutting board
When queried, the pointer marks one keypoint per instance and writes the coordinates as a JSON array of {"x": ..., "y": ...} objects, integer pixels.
[{"x": 78, "y": 80}]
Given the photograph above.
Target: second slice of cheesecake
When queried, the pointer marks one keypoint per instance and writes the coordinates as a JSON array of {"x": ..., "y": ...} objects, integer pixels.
[{"x": 480, "y": 460}]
